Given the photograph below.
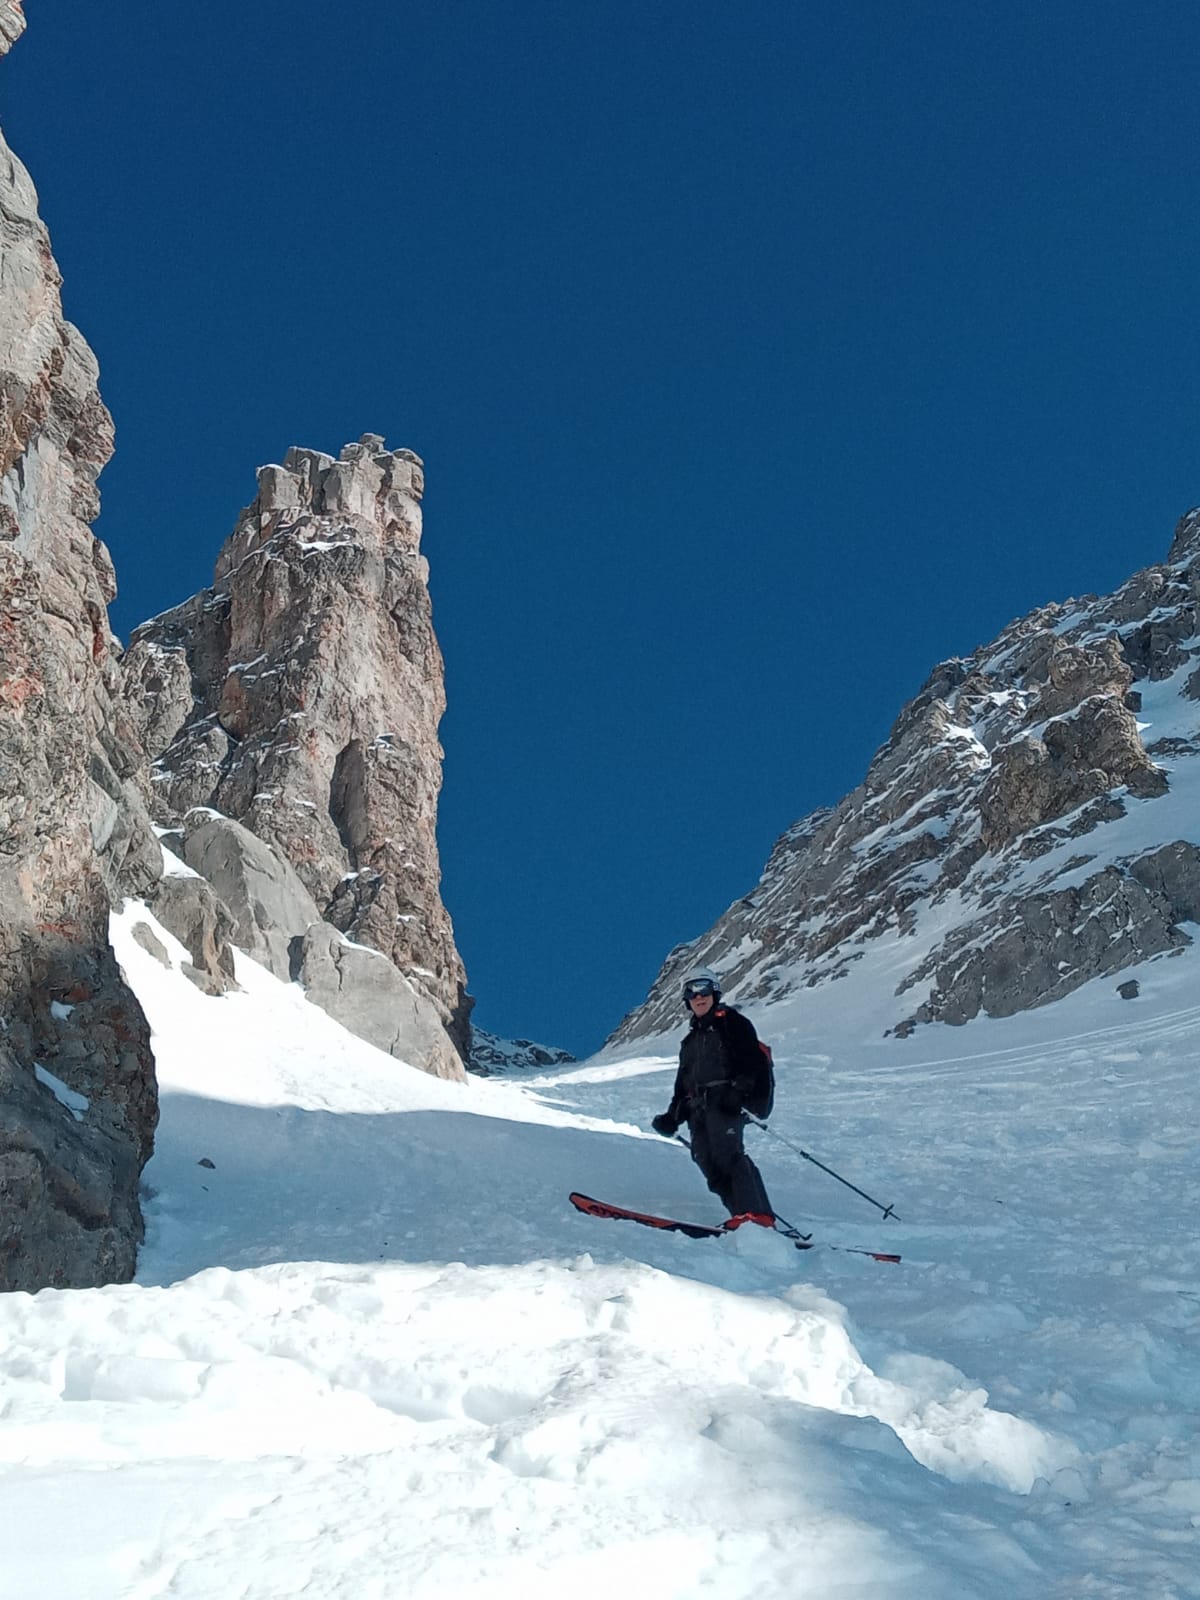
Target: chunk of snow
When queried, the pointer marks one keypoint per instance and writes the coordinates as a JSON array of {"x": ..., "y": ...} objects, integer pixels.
[{"x": 76, "y": 1104}]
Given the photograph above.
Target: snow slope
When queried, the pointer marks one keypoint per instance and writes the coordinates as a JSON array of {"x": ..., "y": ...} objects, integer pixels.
[{"x": 373, "y": 1353}]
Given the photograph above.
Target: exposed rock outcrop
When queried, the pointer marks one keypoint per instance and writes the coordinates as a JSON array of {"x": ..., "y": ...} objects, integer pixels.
[
  {"x": 187, "y": 906},
  {"x": 996, "y": 840},
  {"x": 361, "y": 989},
  {"x": 300, "y": 696},
  {"x": 12, "y": 24},
  {"x": 1088, "y": 745},
  {"x": 269, "y": 905},
  {"x": 77, "y": 1095}
]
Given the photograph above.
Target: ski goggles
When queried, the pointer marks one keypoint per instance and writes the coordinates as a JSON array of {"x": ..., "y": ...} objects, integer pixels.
[{"x": 699, "y": 989}]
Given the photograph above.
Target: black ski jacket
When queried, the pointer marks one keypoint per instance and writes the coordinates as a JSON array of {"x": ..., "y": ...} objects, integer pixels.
[{"x": 719, "y": 1064}]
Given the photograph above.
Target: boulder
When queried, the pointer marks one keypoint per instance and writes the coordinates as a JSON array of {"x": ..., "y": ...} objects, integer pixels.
[
  {"x": 265, "y": 901},
  {"x": 187, "y": 906},
  {"x": 361, "y": 989}
]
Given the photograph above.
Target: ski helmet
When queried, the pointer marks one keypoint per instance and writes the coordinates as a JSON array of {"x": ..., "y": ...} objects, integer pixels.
[{"x": 699, "y": 981}]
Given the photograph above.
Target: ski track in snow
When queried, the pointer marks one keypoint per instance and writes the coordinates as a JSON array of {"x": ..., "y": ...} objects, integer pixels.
[{"x": 372, "y": 1352}]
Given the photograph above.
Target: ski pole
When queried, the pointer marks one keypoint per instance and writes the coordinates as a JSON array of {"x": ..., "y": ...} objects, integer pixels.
[{"x": 888, "y": 1211}]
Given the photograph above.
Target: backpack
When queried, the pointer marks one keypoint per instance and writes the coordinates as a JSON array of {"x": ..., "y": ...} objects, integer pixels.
[{"x": 762, "y": 1102}]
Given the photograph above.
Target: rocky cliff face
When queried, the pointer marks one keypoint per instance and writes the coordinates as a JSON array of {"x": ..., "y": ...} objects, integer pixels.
[
  {"x": 77, "y": 1095},
  {"x": 12, "y": 24},
  {"x": 300, "y": 697},
  {"x": 1031, "y": 823}
]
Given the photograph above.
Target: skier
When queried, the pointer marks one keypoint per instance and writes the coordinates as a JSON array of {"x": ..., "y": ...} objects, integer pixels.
[{"x": 719, "y": 1066}]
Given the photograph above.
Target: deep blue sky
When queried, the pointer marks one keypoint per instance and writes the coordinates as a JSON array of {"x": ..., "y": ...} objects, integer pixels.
[{"x": 761, "y": 356}]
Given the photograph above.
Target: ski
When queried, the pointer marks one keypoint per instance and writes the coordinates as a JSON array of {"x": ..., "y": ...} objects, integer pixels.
[
  {"x": 694, "y": 1230},
  {"x": 710, "y": 1230},
  {"x": 846, "y": 1249}
]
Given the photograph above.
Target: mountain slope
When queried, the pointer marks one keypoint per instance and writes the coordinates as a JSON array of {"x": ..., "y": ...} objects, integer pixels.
[
  {"x": 372, "y": 1350},
  {"x": 1030, "y": 824}
]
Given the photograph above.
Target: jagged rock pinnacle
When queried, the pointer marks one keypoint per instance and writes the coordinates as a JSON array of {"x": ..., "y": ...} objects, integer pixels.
[{"x": 301, "y": 696}]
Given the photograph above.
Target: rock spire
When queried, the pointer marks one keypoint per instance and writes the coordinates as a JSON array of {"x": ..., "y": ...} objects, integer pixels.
[{"x": 300, "y": 697}]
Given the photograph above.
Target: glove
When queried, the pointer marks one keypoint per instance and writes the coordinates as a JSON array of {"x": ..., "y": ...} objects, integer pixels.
[{"x": 663, "y": 1124}]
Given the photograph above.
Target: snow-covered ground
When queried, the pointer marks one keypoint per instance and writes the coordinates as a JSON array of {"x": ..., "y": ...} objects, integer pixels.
[{"x": 372, "y": 1352}]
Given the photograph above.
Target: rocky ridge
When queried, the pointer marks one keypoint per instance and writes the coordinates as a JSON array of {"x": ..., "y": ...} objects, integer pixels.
[
  {"x": 291, "y": 715},
  {"x": 1029, "y": 825},
  {"x": 493, "y": 1057},
  {"x": 77, "y": 1088}
]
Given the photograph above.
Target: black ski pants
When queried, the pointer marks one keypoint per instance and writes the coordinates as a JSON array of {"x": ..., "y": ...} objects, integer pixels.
[{"x": 717, "y": 1149}]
